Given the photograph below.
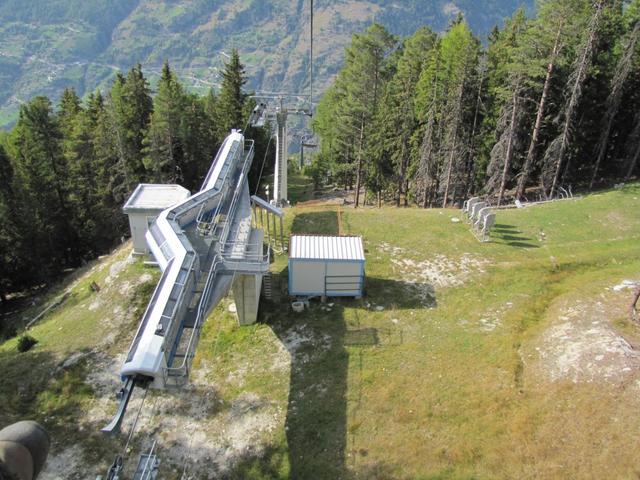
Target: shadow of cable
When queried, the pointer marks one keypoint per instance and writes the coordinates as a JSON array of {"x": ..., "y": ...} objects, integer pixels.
[{"x": 317, "y": 405}]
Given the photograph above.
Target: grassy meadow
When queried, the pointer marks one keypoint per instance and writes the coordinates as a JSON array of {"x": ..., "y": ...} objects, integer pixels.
[{"x": 451, "y": 366}]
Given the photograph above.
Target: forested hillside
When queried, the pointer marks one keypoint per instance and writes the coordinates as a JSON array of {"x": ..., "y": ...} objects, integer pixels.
[
  {"x": 66, "y": 170},
  {"x": 47, "y": 45},
  {"x": 551, "y": 104}
]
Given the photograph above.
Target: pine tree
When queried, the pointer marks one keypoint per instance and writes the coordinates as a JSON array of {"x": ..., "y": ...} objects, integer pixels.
[
  {"x": 198, "y": 140},
  {"x": 42, "y": 171},
  {"x": 11, "y": 254},
  {"x": 130, "y": 106},
  {"x": 557, "y": 23},
  {"x": 558, "y": 150},
  {"x": 428, "y": 107},
  {"x": 164, "y": 146},
  {"x": 460, "y": 50},
  {"x": 398, "y": 121},
  {"x": 508, "y": 131},
  {"x": 230, "y": 107},
  {"x": 622, "y": 72}
]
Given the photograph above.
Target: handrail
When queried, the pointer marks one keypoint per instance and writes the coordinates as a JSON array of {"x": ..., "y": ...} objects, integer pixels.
[
  {"x": 208, "y": 194},
  {"x": 239, "y": 187},
  {"x": 218, "y": 260},
  {"x": 184, "y": 366},
  {"x": 213, "y": 224}
]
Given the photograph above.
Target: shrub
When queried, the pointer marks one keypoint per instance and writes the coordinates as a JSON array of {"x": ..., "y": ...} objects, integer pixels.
[{"x": 26, "y": 342}]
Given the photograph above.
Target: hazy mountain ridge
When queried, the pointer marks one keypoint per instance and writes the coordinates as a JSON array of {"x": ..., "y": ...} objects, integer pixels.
[{"x": 47, "y": 45}]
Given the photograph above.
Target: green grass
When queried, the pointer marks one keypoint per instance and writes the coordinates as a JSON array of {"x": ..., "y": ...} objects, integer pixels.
[
  {"x": 413, "y": 391},
  {"x": 418, "y": 390},
  {"x": 38, "y": 385}
]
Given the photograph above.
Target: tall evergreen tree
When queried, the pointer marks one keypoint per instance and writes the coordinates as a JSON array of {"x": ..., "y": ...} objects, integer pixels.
[
  {"x": 230, "y": 106},
  {"x": 557, "y": 23},
  {"x": 42, "y": 169},
  {"x": 509, "y": 124},
  {"x": 397, "y": 120},
  {"x": 558, "y": 150},
  {"x": 621, "y": 74},
  {"x": 164, "y": 145},
  {"x": 459, "y": 53},
  {"x": 130, "y": 106}
]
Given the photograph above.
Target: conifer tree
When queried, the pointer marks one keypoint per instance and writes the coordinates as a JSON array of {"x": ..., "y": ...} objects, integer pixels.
[
  {"x": 558, "y": 149},
  {"x": 459, "y": 50},
  {"x": 509, "y": 95},
  {"x": 230, "y": 106},
  {"x": 12, "y": 258},
  {"x": 558, "y": 21},
  {"x": 621, "y": 74},
  {"x": 397, "y": 120},
  {"x": 130, "y": 106},
  {"x": 163, "y": 144},
  {"x": 42, "y": 171}
]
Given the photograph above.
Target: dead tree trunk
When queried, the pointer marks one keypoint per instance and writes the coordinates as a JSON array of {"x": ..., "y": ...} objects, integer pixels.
[
  {"x": 561, "y": 144},
  {"x": 636, "y": 155},
  {"x": 533, "y": 145},
  {"x": 456, "y": 123},
  {"x": 449, "y": 173},
  {"x": 510, "y": 142},
  {"x": 623, "y": 69},
  {"x": 359, "y": 171}
]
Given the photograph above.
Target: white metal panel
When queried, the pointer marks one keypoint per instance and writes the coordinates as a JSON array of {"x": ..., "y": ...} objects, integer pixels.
[
  {"x": 307, "y": 278},
  {"x": 344, "y": 278},
  {"x": 317, "y": 247}
]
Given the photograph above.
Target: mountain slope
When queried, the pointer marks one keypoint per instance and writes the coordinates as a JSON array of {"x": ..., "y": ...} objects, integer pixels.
[{"x": 47, "y": 45}]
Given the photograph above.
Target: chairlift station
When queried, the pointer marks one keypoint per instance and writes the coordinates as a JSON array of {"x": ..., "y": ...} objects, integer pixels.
[{"x": 208, "y": 244}]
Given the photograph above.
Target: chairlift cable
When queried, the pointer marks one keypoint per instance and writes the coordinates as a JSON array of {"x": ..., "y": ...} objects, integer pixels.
[
  {"x": 266, "y": 152},
  {"x": 135, "y": 422}
]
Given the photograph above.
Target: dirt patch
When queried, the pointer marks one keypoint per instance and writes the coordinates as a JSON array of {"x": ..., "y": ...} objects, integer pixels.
[
  {"x": 64, "y": 465},
  {"x": 439, "y": 271},
  {"x": 581, "y": 344}
]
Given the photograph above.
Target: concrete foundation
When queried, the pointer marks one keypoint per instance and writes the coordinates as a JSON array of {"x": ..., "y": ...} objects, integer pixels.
[{"x": 246, "y": 292}]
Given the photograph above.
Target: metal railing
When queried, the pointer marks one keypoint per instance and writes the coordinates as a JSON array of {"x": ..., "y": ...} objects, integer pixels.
[
  {"x": 218, "y": 261},
  {"x": 239, "y": 187},
  {"x": 209, "y": 222},
  {"x": 182, "y": 370},
  {"x": 253, "y": 255}
]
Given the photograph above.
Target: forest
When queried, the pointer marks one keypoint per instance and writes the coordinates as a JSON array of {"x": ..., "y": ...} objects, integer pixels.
[
  {"x": 545, "y": 104},
  {"x": 66, "y": 170},
  {"x": 551, "y": 104}
]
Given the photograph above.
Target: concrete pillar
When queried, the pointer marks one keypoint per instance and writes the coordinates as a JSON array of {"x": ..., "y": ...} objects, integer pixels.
[{"x": 246, "y": 293}]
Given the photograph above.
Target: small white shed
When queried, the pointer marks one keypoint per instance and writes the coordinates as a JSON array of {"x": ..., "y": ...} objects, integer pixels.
[
  {"x": 144, "y": 205},
  {"x": 328, "y": 266}
]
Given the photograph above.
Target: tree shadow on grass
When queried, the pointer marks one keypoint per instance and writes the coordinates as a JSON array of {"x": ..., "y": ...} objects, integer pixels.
[
  {"x": 37, "y": 386},
  {"x": 323, "y": 222},
  {"x": 317, "y": 407},
  {"x": 24, "y": 377},
  {"x": 322, "y": 344}
]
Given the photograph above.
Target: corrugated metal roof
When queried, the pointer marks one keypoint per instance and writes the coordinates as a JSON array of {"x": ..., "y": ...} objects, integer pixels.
[{"x": 319, "y": 247}]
